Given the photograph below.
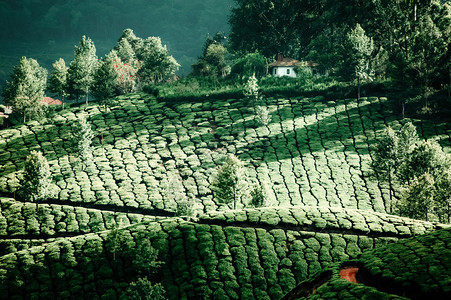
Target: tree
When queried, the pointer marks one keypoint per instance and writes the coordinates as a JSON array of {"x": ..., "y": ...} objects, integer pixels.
[
  {"x": 105, "y": 80},
  {"x": 216, "y": 57},
  {"x": 83, "y": 136},
  {"x": 37, "y": 178},
  {"x": 145, "y": 258},
  {"x": 143, "y": 289},
  {"x": 113, "y": 241},
  {"x": 385, "y": 159},
  {"x": 418, "y": 199},
  {"x": 25, "y": 91},
  {"x": 251, "y": 90},
  {"x": 442, "y": 197},
  {"x": 81, "y": 69},
  {"x": 262, "y": 115},
  {"x": 250, "y": 64},
  {"x": 361, "y": 49},
  {"x": 157, "y": 64},
  {"x": 426, "y": 157},
  {"x": 125, "y": 51},
  {"x": 259, "y": 195},
  {"x": 421, "y": 168},
  {"x": 58, "y": 79},
  {"x": 230, "y": 183}
]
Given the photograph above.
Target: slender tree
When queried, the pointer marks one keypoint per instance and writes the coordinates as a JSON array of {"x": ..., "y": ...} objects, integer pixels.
[
  {"x": 82, "y": 68},
  {"x": 36, "y": 181},
  {"x": 125, "y": 51},
  {"x": 25, "y": 91},
  {"x": 230, "y": 183},
  {"x": 418, "y": 199},
  {"x": 58, "y": 79},
  {"x": 386, "y": 159},
  {"x": 361, "y": 48},
  {"x": 83, "y": 136},
  {"x": 157, "y": 64},
  {"x": 105, "y": 80}
]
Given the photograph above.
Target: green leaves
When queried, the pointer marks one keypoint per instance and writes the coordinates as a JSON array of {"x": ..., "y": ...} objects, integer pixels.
[
  {"x": 83, "y": 136},
  {"x": 81, "y": 69},
  {"x": 229, "y": 185},
  {"x": 25, "y": 91},
  {"x": 37, "y": 178}
]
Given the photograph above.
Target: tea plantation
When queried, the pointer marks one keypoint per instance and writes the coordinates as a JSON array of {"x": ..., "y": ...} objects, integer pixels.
[
  {"x": 324, "y": 206},
  {"x": 248, "y": 254},
  {"x": 416, "y": 268}
]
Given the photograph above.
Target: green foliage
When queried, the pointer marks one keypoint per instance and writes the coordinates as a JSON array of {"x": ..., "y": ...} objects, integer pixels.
[
  {"x": 230, "y": 182},
  {"x": 80, "y": 77},
  {"x": 186, "y": 207},
  {"x": 83, "y": 136},
  {"x": 248, "y": 65},
  {"x": 262, "y": 115},
  {"x": 37, "y": 178},
  {"x": 418, "y": 199},
  {"x": 143, "y": 289},
  {"x": 361, "y": 49},
  {"x": 25, "y": 91},
  {"x": 145, "y": 258},
  {"x": 58, "y": 79},
  {"x": 402, "y": 159},
  {"x": 258, "y": 196},
  {"x": 105, "y": 80},
  {"x": 157, "y": 64},
  {"x": 113, "y": 241}
]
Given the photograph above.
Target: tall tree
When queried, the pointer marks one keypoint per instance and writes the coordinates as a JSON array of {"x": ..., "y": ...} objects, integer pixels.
[
  {"x": 83, "y": 136},
  {"x": 58, "y": 79},
  {"x": 125, "y": 51},
  {"x": 157, "y": 64},
  {"x": 105, "y": 80},
  {"x": 82, "y": 68},
  {"x": 418, "y": 199},
  {"x": 385, "y": 159},
  {"x": 36, "y": 181},
  {"x": 361, "y": 49},
  {"x": 230, "y": 183},
  {"x": 25, "y": 91}
]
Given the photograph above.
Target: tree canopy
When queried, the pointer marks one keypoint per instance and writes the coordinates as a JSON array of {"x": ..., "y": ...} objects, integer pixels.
[{"x": 25, "y": 91}]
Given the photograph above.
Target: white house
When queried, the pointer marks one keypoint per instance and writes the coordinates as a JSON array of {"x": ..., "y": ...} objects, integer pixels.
[{"x": 285, "y": 66}]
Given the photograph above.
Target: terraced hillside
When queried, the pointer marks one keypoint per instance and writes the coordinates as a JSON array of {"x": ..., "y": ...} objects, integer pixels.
[
  {"x": 314, "y": 155},
  {"x": 247, "y": 254},
  {"x": 415, "y": 268}
]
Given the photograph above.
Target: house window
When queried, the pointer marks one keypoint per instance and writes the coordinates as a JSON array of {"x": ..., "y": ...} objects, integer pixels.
[
  {"x": 275, "y": 71},
  {"x": 288, "y": 71}
]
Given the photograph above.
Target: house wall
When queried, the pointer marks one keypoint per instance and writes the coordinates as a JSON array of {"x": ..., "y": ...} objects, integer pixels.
[{"x": 283, "y": 71}]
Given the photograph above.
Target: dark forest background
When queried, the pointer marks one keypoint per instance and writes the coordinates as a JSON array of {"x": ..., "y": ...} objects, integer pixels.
[{"x": 49, "y": 29}]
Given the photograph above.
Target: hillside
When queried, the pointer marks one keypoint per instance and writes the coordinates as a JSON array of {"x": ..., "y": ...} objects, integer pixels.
[
  {"x": 415, "y": 268},
  {"x": 324, "y": 206},
  {"x": 312, "y": 153},
  {"x": 249, "y": 254}
]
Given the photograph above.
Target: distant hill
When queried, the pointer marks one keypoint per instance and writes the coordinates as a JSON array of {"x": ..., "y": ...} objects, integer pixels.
[{"x": 48, "y": 30}]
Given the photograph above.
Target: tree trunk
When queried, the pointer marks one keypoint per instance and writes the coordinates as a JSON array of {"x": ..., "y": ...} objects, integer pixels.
[
  {"x": 358, "y": 87},
  {"x": 390, "y": 190},
  {"x": 403, "y": 108}
]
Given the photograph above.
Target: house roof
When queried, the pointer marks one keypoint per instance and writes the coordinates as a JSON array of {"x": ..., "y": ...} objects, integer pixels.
[
  {"x": 51, "y": 101},
  {"x": 291, "y": 62},
  {"x": 286, "y": 62}
]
